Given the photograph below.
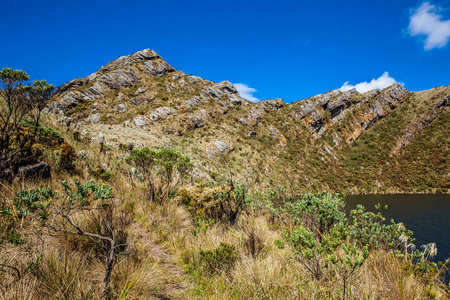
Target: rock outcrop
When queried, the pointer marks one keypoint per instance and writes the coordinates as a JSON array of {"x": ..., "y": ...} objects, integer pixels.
[
  {"x": 259, "y": 110},
  {"x": 320, "y": 112},
  {"x": 40, "y": 170},
  {"x": 118, "y": 74}
]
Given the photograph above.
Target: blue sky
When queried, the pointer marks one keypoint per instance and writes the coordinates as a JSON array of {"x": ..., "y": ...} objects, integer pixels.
[{"x": 273, "y": 49}]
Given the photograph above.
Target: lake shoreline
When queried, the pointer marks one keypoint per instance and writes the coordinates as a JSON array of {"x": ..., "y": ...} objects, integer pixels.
[
  {"x": 425, "y": 214},
  {"x": 399, "y": 193}
]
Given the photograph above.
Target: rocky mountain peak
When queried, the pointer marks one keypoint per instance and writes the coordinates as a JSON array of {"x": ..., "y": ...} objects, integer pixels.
[{"x": 141, "y": 99}]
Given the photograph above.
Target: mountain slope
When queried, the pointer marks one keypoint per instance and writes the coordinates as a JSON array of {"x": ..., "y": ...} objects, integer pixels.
[{"x": 389, "y": 140}]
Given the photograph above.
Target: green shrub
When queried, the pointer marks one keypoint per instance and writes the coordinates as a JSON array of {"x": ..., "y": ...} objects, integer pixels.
[
  {"x": 49, "y": 137},
  {"x": 21, "y": 106},
  {"x": 320, "y": 238},
  {"x": 221, "y": 203},
  {"x": 369, "y": 228},
  {"x": 318, "y": 213},
  {"x": 279, "y": 244},
  {"x": 163, "y": 171},
  {"x": 218, "y": 259},
  {"x": 27, "y": 202}
]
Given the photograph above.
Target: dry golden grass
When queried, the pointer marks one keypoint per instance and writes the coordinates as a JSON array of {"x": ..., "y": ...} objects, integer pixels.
[{"x": 164, "y": 246}]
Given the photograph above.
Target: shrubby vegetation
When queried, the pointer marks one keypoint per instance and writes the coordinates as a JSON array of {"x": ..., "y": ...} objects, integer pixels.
[
  {"x": 162, "y": 171},
  {"x": 109, "y": 225},
  {"x": 21, "y": 106}
]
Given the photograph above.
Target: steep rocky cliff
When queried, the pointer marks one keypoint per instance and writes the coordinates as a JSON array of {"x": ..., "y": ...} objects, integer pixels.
[{"x": 339, "y": 141}]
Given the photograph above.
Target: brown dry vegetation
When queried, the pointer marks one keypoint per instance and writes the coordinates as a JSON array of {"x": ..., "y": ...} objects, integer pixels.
[{"x": 165, "y": 260}]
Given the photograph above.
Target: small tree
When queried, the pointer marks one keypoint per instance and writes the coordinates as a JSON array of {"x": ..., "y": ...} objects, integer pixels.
[
  {"x": 162, "y": 171},
  {"x": 21, "y": 106},
  {"x": 64, "y": 213},
  {"x": 145, "y": 162}
]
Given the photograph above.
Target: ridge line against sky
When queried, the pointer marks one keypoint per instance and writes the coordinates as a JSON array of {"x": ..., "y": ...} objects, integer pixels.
[{"x": 285, "y": 49}]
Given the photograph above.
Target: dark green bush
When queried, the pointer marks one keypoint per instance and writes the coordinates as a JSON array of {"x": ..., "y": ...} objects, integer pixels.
[
  {"x": 218, "y": 259},
  {"x": 370, "y": 228},
  {"x": 318, "y": 213},
  {"x": 49, "y": 137}
]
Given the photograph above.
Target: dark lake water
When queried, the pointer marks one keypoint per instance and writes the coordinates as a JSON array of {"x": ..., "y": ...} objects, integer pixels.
[{"x": 428, "y": 216}]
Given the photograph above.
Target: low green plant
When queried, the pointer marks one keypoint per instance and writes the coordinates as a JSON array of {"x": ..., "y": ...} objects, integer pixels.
[
  {"x": 370, "y": 228},
  {"x": 27, "y": 202},
  {"x": 219, "y": 259},
  {"x": 201, "y": 226}
]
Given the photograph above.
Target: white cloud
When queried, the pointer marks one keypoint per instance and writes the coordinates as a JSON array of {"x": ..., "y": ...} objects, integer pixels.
[
  {"x": 380, "y": 83},
  {"x": 427, "y": 21},
  {"x": 246, "y": 92}
]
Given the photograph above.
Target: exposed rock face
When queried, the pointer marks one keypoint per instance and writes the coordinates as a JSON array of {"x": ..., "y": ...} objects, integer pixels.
[
  {"x": 140, "y": 121},
  {"x": 94, "y": 119},
  {"x": 120, "y": 107},
  {"x": 118, "y": 74},
  {"x": 146, "y": 54},
  {"x": 69, "y": 85},
  {"x": 139, "y": 100},
  {"x": 197, "y": 119},
  {"x": 259, "y": 110},
  {"x": 161, "y": 113},
  {"x": 140, "y": 91},
  {"x": 343, "y": 101},
  {"x": 194, "y": 102},
  {"x": 193, "y": 79},
  {"x": 147, "y": 102},
  {"x": 119, "y": 78},
  {"x": 69, "y": 101},
  {"x": 158, "y": 68},
  {"x": 319, "y": 113},
  {"x": 378, "y": 108},
  {"x": 219, "y": 147},
  {"x": 222, "y": 147},
  {"x": 273, "y": 132}
]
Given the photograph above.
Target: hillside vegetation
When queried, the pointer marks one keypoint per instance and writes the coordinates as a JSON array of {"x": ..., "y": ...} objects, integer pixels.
[
  {"x": 383, "y": 141},
  {"x": 65, "y": 237},
  {"x": 142, "y": 182}
]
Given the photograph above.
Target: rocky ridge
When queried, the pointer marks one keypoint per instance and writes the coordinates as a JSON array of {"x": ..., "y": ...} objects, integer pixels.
[{"x": 141, "y": 99}]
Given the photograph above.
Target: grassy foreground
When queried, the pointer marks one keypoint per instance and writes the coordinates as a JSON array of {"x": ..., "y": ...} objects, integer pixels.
[{"x": 177, "y": 238}]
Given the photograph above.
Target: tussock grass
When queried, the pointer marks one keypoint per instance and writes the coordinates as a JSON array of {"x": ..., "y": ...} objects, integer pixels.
[{"x": 164, "y": 262}]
